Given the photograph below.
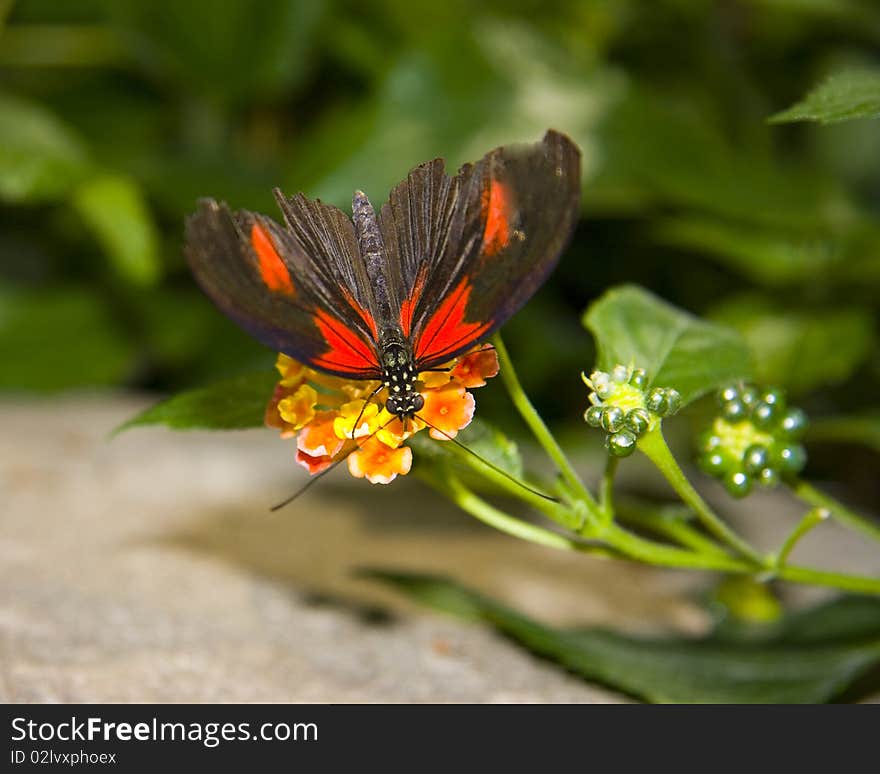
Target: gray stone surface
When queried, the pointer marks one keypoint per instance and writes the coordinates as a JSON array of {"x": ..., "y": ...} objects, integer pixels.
[{"x": 147, "y": 568}]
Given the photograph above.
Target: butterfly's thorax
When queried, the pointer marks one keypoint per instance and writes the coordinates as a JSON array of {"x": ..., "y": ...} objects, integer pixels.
[
  {"x": 399, "y": 376},
  {"x": 395, "y": 351}
]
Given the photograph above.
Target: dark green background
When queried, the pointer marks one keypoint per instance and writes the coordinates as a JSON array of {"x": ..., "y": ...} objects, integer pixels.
[{"x": 116, "y": 115}]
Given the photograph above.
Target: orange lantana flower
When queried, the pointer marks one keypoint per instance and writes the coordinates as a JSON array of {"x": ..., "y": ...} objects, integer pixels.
[
  {"x": 334, "y": 418},
  {"x": 378, "y": 463}
]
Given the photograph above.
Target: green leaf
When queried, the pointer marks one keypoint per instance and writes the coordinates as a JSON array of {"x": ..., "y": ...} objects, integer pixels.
[
  {"x": 769, "y": 257},
  {"x": 114, "y": 208},
  {"x": 677, "y": 350},
  {"x": 800, "y": 350},
  {"x": 58, "y": 339},
  {"x": 435, "y": 459},
  {"x": 800, "y": 662},
  {"x": 843, "y": 96},
  {"x": 483, "y": 439},
  {"x": 505, "y": 83},
  {"x": 233, "y": 404},
  {"x": 858, "y": 428},
  {"x": 238, "y": 49},
  {"x": 40, "y": 158},
  {"x": 661, "y": 150}
]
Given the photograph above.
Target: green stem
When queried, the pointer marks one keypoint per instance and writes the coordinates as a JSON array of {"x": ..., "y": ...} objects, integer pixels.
[
  {"x": 676, "y": 529},
  {"x": 488, "y": 514},
  {"x": 811, "y": 520},
  {"x": 653, "y": 553},
  {"x": 620, "y": 543},
  {"x": 548, "y": 506},
  {"x": 669, "y": 556},
  {"x": 812, "y": 496},
  {"x": 838, "y": 580},
  {"x": 606, "y": 488},
  {"x": 653, "y": 445},
  {"x": 536, "y": 425}
]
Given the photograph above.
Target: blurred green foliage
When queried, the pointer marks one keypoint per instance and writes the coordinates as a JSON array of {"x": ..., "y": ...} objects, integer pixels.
[
  {"x": 816, "y": 655},
  {"x": 115, "y": 115}
]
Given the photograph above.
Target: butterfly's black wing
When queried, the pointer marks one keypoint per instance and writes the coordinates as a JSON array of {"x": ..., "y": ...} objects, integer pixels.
[
  {"x": 468, "y": 251},
  {"x": 299, "y": 290}
]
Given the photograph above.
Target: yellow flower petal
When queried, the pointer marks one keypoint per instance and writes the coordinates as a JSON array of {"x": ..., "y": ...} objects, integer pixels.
[
  {"x": 356, "y": 411},
  {"x": 292, "y": 371},
  {"x": 298, "y": 409}
]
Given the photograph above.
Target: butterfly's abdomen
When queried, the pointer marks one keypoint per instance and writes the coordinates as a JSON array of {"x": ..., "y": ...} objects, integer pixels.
[
  {"x": 372, "y": 250},
  {"x": 366, "y": 228}
]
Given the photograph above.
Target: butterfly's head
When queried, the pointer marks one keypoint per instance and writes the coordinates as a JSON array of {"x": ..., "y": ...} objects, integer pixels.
[{"x": 399, "y": 377}]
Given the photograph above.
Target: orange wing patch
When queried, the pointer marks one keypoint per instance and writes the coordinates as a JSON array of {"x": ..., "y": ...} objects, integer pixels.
[
  {"x": 446, "y": 332},
  {"x": 274, "y": 273},
  {"x": 497, "y": 213}
]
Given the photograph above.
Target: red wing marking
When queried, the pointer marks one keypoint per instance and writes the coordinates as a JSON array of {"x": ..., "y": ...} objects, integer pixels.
[
  {"x": 274, "y": 273},
  {"x": 497, "y": 211},
  {"x": 360, "y": 312},
  {"x": 447, "y": 330},
  {"x": 408, "y": 305},
  {"x": 347, "y": 350}
]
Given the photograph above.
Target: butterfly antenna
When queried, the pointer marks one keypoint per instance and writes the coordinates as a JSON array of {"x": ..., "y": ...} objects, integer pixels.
[
  {"x": 333, "y": 466},
  {"x": 312, "y": 480},
  {"x": 486, "y": 462}
]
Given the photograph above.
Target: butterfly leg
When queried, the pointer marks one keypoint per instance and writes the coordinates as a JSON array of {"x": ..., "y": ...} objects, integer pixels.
[{"x": 364, "y": 408}]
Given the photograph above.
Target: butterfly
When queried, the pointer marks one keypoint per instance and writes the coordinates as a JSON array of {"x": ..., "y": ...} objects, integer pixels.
[{"x": 387, "y": 295}]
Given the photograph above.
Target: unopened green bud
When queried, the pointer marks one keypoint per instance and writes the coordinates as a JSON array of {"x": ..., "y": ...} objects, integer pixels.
[
  {"x": 593, "y": 415},
  {"x": 620, "y": 374},
  {"x": 656, "y": 401},
  {"x": 734, "y": 411},
  {"x": 755, "y": 458},
  {"x": 638, "y": 421},
  {"x": 738, "y": 483},
  {"x": 790, "y": 459},
  {"x": 775, "y": 398},
  {"x": 749, "y": 395},
  {"x": 764, "y": 415},
  {"x": 612, "y": 419},
  {"x": 794, "y": 423},
  {"x": 727, "y": 394},
  {"x": 715, "y": 463},
  {"x": 639, "y": 378},
  {"x": 768, "y": 477},
  {"x": 621, "y": 444}
]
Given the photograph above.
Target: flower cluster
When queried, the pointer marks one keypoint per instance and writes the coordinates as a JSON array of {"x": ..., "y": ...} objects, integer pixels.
[
  {"x": 334, "y": 418},
  {"x": 753, "y": 439},
  {"x": 625, "y": 408}
]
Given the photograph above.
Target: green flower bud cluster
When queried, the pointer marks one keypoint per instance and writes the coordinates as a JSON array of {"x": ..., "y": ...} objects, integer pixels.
[
  {"x": 625, "y": 408},
  {"x": 753, "y": 439}
]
